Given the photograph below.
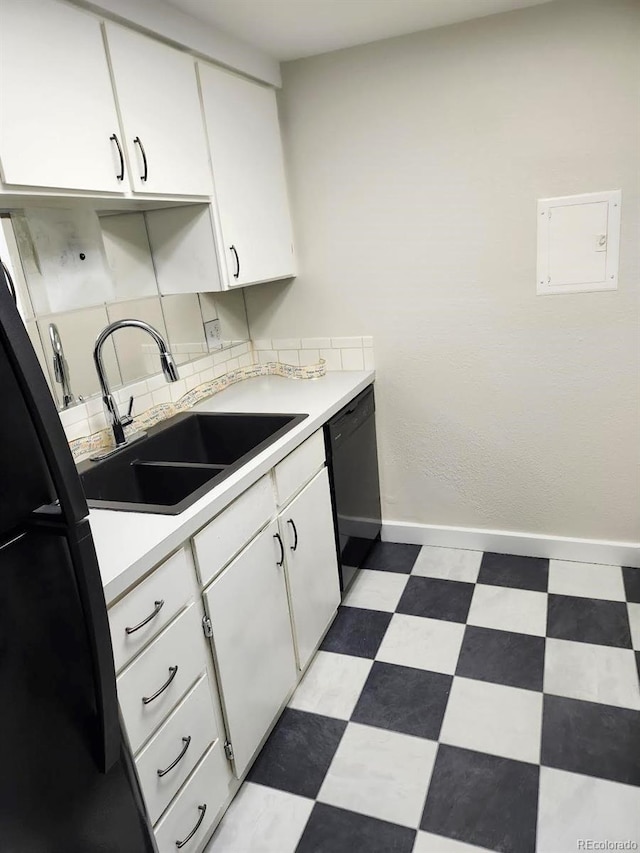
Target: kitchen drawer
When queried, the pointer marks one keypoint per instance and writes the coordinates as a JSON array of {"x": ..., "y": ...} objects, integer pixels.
[
  {"x": 180, "y": 645},
  {"x": 230, "y": 531},
  {"x": 207, "y": 789},
  {"x": 190, "y": 729},
  {"x": 299, "y": 467},
  {"x": 166, "y": 591}
]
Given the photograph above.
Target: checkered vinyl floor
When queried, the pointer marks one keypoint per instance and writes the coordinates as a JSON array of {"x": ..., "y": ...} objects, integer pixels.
[{"x": 460, "y": 702}]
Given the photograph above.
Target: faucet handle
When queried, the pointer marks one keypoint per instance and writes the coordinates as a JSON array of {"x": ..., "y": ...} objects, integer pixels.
[{"x": 126, "y": 420}]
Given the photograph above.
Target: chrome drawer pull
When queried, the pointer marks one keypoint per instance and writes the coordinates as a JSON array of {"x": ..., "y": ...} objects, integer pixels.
[
  {"x": 158, "y": 607},
  {"x": 186, "y": 741},
  {"x": 202, "y": 809},
  {"x": 172, "y": 674}
]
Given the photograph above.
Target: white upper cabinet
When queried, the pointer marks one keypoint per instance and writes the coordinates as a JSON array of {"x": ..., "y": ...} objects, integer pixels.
[
  {"x": 58, "y": 119},
  {"x": 250, "y": 189},
  {"x": 157, "y": 94}
]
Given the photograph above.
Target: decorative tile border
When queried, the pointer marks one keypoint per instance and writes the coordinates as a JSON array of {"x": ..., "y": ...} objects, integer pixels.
[
  {"x": 293, "y": 358},
  {"x": 103, "y": 439}
]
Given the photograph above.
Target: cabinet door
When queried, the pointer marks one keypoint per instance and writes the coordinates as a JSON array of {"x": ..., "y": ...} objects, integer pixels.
[
  {"x": 250, "y": 189},
  {"x": 252, "y": 642},
  {"x": 157, "y": 92},
  {"x": 307, "y": 530},
  {"x": 57, "y": 110}
]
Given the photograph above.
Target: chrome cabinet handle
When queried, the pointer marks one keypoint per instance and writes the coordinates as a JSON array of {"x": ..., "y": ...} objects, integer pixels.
[
  {"x": 115, "y": 139},
  {"x": 237, "y": 272},
  {"x": 157, "y": 608},
  {"x": 137, "y": 141},
  {"x": 186, "y": 741},
  {"x": 202, "y": 809},
  {"x": 172, "y": 674},
  {"x": 281, "y": 560},
  {"x": 295, "y": 533}
]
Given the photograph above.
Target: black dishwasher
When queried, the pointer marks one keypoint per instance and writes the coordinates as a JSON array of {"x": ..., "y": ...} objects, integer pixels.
[{"x": 352, "y": 457}]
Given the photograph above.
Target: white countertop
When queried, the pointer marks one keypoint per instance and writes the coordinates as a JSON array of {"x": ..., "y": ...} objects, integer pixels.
[{"x": 130, "y": 544}]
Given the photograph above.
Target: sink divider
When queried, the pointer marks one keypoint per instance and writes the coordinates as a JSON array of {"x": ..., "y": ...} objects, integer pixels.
[{"x": 146, "y": 463}]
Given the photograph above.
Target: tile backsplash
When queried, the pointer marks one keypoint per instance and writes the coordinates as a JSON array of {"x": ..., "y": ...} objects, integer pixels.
[
  {"x": 343, "y": 353},
  {"x": 88, "y": 418},
  {"x": 346, "y": 353}
]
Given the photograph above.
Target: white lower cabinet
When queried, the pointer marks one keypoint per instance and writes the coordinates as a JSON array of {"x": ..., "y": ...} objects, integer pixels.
[
  {"x": 269, "y": 565},
  {"x": 187, "y": 822},
  {"x": 252, "y": 642},
  {"x": 306, "y": 528},
  {"x": 170, "y": 756},
  {"x": 140, "y": 616},
  {"x": 150, "y": 687}
]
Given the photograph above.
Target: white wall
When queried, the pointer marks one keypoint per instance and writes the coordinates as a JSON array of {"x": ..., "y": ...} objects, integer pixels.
[{"x": 415, "y": 165}]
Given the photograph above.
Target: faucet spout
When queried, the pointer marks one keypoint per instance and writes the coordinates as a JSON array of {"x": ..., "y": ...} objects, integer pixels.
[{"x": 169, "y": 369}]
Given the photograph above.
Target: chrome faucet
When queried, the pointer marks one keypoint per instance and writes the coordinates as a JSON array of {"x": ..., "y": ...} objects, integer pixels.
[
  {"x": 60, "y": 366},
  {"x": 116, "y": 421}
]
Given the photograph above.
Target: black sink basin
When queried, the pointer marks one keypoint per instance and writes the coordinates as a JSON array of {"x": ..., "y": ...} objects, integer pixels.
[
  {"x": 150, "y": 483},
  {"x": 214, "y": 439},
  {"x": 180, "y": 460}
]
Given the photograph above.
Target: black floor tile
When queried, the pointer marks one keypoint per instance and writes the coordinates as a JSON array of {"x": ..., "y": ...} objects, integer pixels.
[
  {"x": 510, "y": 570},
  {"x": 403, "y": 699},
  {"x": 638, "y": 664},
  {"x": 593, "y": 739},
  {"x": 298, "y": 753},
  {"x": 483, "y": 800},
  {"x": 332, "y": 830},
  {"x": 437, "y": 599},
  {"x": 631, "y": 578},
  {"x": 357, "y": 632},
  {"x": 588, "y": 620},
  {"x": 502, "y": 657},
  {"x": 392, "y": 557}
]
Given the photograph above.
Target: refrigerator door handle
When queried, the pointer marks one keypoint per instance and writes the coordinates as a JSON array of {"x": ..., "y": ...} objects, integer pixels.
[
  {"x": 89, "y": 584},
  {"x": 94, "y": 607}
]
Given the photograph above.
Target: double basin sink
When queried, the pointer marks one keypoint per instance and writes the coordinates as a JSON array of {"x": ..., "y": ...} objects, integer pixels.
[{"x": 180, "y": 460}]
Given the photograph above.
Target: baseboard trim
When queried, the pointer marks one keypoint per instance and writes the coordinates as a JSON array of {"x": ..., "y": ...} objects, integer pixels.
[{"x": 507, "y": 542}]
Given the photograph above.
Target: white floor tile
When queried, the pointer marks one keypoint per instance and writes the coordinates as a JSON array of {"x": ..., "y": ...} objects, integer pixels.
[
  {"x": 381, "y": 774},
  {"x": 426, "y": 842},
  {"x": 451, "y": 564},
  {"x": 506, "y": 609},
  {"x": 261, "y": 820},
  {"x": 594, "y": 673},
  {"x": 505, "y": 721},
  {"x": 376, "y": 590},
  {"x": 573, "y": 807},
  {"x": 634, "y": 622},
  {"x": 332, "y": 685},
  {"x": 586, "y": 580},
  {"x": 422, "y": 643}
]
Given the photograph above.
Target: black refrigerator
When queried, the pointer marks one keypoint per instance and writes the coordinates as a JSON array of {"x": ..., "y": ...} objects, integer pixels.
[{"x": 67, "y": 779}]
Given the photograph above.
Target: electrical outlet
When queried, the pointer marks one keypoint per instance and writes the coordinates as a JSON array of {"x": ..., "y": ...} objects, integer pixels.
[{"x": 213, "y": 334}]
